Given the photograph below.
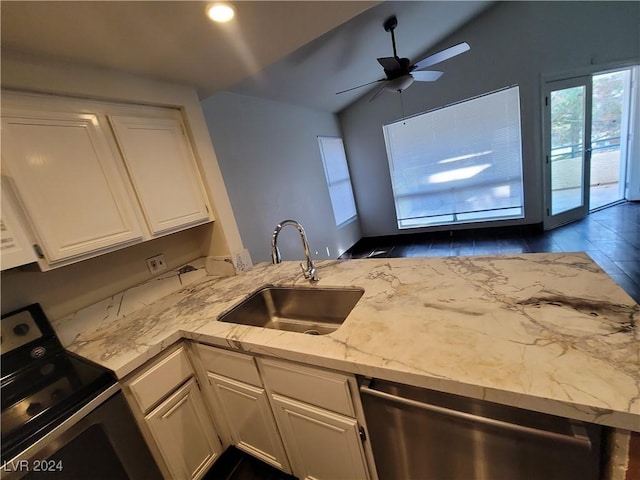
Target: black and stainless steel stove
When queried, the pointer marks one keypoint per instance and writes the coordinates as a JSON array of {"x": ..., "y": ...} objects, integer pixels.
[
  {"x": 50, "y": 397},
  {"x": 42, "y": 384}
]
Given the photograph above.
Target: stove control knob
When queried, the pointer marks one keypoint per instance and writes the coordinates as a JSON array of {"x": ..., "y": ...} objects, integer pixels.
[
  {"x": 38, "y": 352},
  {"x": 34, "y": 408},
  {"x": 21, "y": 329}
]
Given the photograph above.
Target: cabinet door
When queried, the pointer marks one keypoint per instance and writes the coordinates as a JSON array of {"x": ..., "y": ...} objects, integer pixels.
[
  {"x": 68, "y": 180},
  {"x": 253, "y": 428},
  {"x": 15, "y": 247},
  {"x": 184, "y": 433},
  {"x": 163, "y": 171},
  {"x": 322, "y": 445}
]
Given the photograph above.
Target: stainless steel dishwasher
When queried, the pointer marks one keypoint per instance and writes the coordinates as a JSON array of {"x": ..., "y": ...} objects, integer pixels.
[{"x": 420, "y": 434}]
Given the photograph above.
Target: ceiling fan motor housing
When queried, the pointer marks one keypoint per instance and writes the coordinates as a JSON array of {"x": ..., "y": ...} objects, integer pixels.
[{"x": 390, "y": 24}]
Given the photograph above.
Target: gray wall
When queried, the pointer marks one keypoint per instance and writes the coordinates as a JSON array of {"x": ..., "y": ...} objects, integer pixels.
[
  {"x": 270, "y": 160},
  {"x": 511, "y": 43}
]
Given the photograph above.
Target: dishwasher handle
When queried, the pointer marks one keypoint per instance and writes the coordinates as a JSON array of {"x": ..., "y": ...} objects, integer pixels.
[{"x": 579, "y": 437}]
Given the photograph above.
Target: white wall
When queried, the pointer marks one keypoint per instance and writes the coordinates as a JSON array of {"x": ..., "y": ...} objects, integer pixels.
[
  {"x": 511, "y": 43},
  {"x": 270, "y": 160}
]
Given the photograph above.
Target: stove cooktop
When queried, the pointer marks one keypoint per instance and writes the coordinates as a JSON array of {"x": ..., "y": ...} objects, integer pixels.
[{"x": 42, "y": 384}]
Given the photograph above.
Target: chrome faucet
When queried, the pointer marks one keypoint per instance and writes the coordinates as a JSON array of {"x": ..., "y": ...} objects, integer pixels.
[{"x": 309, "y": 271}]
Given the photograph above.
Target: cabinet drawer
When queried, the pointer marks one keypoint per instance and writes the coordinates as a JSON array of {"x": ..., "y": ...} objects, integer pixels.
[
  {"x": 161, "y": 379},
  {"x": 317, "y": 387},
  {"x": 230, "y": 364}
]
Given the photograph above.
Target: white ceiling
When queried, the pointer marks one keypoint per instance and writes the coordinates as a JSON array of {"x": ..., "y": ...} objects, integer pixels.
[{"x": 299, "y": 52}]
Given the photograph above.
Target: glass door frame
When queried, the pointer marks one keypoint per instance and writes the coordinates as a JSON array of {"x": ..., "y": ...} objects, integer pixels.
[{"x": 579, "y": 212}]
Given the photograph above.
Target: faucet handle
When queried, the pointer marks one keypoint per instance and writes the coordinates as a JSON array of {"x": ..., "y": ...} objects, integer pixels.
[
  {"x": 310, "y": 273},
  {"x": 305, "y": 272}
]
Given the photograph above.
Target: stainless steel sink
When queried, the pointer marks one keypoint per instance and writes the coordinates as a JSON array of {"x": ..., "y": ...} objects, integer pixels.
[{"x": 311, "y": 310}]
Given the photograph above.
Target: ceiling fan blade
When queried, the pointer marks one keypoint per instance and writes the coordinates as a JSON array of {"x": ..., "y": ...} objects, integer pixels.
[
  {"x": 378, "y": 92},
  {"x": 360, "y": 86},
  {"x": 426, "y": 75},
  {"x": 445, "y": 54},
  {"x": 389, "y": 63}
]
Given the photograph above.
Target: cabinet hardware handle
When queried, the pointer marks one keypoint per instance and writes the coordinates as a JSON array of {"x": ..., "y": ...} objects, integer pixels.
[{"x": 38, "y": 250}]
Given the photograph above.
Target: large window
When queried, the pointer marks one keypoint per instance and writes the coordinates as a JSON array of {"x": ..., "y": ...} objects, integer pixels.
[
  {"x": 458, "y": 164},
  {"x": 337, "y": 174}
]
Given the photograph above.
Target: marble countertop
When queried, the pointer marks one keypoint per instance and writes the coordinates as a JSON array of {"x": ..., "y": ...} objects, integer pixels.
[{"x": 546, "y": 332}]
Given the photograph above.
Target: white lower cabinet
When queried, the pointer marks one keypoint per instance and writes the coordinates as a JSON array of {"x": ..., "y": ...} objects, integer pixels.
[
  {"x": 250, "y": 420},
  {"x": 303, "y": 420},
  {"x": 321, "y": 444},
  {"x": 320, "y": 420},
  {"x": 183, "y": 433},
  {"x": 241, "y": 400},
  {"x": 173, "y": 416}
]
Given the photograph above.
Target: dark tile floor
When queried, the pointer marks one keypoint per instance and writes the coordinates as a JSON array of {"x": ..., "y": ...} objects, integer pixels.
[
  {"x": 611, "y": 237},
  {"x": 237, "y": 465}
]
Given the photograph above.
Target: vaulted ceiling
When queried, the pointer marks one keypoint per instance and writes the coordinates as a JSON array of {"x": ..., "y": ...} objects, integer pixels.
[{"x": 299, "y": 52}]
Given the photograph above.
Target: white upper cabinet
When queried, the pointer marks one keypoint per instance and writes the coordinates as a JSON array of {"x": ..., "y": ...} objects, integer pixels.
[
  {"x": 68, "y": 180},
  {"x": 163, "y": 171},
  {"x": 93, "y": 177},
  {"x": 15, "y": 246}
]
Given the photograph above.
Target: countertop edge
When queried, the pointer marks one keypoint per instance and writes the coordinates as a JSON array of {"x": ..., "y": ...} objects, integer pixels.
[{"x": 124, "y": 354}]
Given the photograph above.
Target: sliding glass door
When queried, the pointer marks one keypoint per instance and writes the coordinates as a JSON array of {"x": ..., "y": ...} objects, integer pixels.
[
  {"x": 587, "y": 123},
  {"x": 611, "y": 100},
  {"x": 568, "y": 149}
]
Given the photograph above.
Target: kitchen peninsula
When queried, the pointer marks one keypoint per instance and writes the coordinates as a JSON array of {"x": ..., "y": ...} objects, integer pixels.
[{"x": 545, "y": 332}]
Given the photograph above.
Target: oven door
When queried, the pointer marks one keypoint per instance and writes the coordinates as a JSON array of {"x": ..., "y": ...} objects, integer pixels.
[{"x": 101, "y": 441}]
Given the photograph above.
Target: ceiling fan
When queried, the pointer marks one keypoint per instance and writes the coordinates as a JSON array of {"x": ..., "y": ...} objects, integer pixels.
[{"x": 401, "y": 73}]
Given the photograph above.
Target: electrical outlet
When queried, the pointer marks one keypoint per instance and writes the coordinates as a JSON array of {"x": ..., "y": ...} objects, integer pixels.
[{"x": 156, "y": 264}]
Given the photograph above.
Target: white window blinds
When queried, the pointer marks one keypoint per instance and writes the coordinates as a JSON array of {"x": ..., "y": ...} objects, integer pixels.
[
  {"x": 458, "y": 164},
  {"x": 338, "y": 180}
]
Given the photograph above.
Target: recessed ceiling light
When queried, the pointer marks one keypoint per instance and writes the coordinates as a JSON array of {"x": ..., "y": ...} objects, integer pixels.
[{"x": 220, "y": 12}]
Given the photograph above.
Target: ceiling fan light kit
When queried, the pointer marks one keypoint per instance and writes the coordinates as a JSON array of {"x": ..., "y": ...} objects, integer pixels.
[
  {"x": 399, "y": 84},
  {"x": 400, "y": 73}
]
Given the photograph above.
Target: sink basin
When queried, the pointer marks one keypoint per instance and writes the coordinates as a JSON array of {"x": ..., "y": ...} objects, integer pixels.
[{"x": 315, "y": 311}]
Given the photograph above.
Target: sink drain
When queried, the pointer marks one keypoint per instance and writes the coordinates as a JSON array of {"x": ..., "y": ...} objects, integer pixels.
[{"x": 312, "y": 332}]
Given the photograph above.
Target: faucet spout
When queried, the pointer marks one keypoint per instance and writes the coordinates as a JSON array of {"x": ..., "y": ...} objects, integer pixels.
[{"x": 309, "y": 271}]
